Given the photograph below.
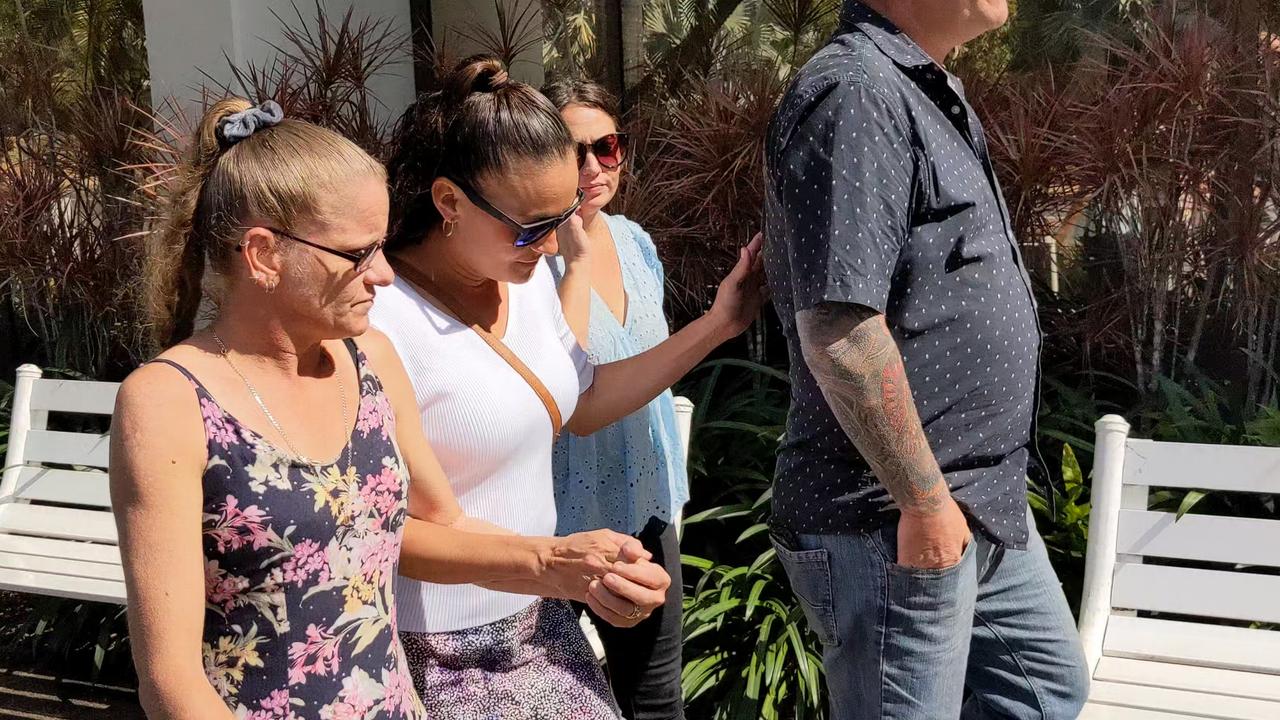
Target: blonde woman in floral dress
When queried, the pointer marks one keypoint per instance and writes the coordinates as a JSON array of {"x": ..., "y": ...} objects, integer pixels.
[{"x": 260, "y": 467}]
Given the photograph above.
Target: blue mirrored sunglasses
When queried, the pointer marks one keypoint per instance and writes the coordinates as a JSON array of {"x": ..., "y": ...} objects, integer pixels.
[{"x": 527, "y": 234}]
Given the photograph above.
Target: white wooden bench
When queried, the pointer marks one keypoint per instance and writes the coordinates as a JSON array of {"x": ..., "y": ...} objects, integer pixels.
[
  {"x": 1177, "y": 663},
  {"x": 57, "y": 535}
]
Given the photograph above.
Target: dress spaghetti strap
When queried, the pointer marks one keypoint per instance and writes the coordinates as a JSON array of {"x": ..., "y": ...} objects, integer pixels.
[{"x": 179, "y": 368}]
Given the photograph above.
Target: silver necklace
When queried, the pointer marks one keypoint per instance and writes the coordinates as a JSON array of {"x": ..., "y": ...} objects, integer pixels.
[{"x": 342, "y": 394}]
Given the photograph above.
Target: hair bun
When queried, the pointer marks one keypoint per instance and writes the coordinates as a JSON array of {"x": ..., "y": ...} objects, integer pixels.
[
  {"x": 476, "y": 74},
  {"x": 492, "y": 82}
]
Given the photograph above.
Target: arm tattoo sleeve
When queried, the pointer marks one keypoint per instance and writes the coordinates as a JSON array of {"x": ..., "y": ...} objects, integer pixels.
[{"x": 856, "y": 362}]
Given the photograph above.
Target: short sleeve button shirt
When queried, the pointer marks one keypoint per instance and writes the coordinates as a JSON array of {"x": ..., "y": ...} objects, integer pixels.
[{"x": 880, "y": 192}]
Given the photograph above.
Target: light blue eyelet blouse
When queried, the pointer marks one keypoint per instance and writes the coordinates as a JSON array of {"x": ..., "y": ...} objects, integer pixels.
[{"x": 634, "y": 469}]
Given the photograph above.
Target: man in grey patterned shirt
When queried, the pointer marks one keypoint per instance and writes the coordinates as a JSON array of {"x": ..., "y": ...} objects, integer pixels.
[{"x": 900, "y": 510}]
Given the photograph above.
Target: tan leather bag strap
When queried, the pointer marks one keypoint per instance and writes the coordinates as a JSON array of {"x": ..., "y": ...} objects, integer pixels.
[{"x": 423, "y": 283}]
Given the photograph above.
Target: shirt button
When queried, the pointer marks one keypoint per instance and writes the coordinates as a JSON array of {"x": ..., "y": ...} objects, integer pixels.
[{"x": 955, "y": 109}]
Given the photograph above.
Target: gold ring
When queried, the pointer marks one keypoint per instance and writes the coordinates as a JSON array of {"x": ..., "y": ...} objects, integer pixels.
[{"x": 634, "y": 613}]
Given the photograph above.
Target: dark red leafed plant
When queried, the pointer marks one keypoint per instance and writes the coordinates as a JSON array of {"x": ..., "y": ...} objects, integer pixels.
[
  {"x": 1161, "y": 149},
  {"x": 322, "y": 73},
  {"x": 697, "y": 184}
]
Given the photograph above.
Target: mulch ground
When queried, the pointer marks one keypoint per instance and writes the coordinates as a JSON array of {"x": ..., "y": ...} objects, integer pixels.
[
  {"x": 25, "y": 694},
  {"x": 33, "y": 689}
]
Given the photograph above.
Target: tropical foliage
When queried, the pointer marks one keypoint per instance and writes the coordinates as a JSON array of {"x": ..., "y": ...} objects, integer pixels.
[
  {"x": 568, "y": 36},
  {"x": 692, "y": 39},
  {"x": 56, "y": 53},
  {"x": 74, "y": 74},
  {"x": 748, "y": 651}
]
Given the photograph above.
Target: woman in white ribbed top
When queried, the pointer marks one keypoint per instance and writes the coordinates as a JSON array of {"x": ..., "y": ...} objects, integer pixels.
[
  {"x": 484, "y": 185},
  {"x": 489, "y": 431}
]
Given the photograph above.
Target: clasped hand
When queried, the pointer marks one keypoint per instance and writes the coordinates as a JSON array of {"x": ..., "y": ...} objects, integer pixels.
[{"x": 612, "y": 573}]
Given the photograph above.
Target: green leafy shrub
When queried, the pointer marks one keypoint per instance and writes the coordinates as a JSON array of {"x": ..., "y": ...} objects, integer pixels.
[{"x": 748, "y": 651}]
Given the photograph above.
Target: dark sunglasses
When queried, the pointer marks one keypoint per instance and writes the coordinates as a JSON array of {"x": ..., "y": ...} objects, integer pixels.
[
  {"x": 610, "y": 150},
  {"x": 362, "y": 258},
  {"x": 527, "y": 234}
]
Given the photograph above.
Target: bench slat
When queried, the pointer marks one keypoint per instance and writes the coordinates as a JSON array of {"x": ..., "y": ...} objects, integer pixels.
[
  {"x": 1097, "y": 711},
  {"x": 52, "y": 446},
  {"x": 1191, "y": 591},
  {"x": 1206, "y": 705},
  {"x": 62, "y": 586},
  {"x": 56, "y": 522},
  {"x": 1189, "y": 677},
  {"x": 73, "y": 487},
  {"x": 1246, "y": 541},
  {"x": 74, "y": 396},
  {"x": 1228, "y": 648},
  {"x": 61, "y": 566},
  {"x": 1205, "y": 467},
  {"x": 67, "y": 549}
]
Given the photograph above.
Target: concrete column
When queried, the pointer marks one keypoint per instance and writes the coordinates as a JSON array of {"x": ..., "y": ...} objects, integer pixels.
[{"x": 189, "y": 43}]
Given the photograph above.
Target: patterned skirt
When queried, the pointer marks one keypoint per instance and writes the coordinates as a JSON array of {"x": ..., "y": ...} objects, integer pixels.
[{"x": 534, "y": 665}]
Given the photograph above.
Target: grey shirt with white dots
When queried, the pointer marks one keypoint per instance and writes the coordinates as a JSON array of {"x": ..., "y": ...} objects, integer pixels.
[{"x": 880, "y": 192}]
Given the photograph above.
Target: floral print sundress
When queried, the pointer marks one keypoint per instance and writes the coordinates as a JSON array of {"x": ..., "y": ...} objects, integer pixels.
[{"x": 300, "y": 619}]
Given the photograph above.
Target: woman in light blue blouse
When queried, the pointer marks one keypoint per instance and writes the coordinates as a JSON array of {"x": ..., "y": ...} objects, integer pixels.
[{"x": 631, "y": 475}]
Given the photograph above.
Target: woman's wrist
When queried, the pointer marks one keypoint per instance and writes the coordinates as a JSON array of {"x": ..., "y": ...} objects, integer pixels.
[
  {"x": 538, "y": 557},
  {"x": 520, "y": 558},
  {"x": 719, "y": 327},
  {"x": 577, "y": 263},
  {"x": 455, "y": 518}
]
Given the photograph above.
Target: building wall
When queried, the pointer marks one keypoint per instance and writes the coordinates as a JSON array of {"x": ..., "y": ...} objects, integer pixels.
[{"x": 189, "y": 44}]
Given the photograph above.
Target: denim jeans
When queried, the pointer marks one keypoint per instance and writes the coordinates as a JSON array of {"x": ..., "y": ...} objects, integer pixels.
[{"x": 991, "y": 637}]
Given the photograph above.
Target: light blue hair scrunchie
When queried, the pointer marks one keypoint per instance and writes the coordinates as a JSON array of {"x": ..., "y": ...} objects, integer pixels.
[{"x": 238, "y": 126}]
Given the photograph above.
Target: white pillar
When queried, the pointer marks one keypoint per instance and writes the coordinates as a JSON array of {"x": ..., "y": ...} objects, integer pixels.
[
  {"x": 23, "y": 420},
  {"x": 456, "y": 25},
  {"x": 1106, "y": 493},
  {"x": 190, "y": 41}
]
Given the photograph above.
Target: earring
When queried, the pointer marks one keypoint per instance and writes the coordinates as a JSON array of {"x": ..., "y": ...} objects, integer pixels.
[{"x": 449, "y": 225}]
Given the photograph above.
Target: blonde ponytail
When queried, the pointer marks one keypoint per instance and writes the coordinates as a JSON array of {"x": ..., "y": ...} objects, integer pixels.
[{"x": 281, "y": 173}]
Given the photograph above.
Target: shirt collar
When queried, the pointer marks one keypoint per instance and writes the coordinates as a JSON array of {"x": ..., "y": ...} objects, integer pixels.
[{"x": 892, "y": 42}]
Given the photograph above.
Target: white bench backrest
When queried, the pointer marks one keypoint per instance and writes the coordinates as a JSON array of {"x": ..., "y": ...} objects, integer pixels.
[
  {"x": 1144, "y": 560},
  {"x": 40, "y": 504},
  {"x": 64, "y": 502}
]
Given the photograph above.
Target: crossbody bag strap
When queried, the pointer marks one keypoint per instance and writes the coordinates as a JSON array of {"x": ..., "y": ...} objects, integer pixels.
[{"x": 423, "y": 283}]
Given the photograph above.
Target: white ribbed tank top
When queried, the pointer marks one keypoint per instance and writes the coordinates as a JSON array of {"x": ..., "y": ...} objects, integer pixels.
[{"x": 488, "y": 428}]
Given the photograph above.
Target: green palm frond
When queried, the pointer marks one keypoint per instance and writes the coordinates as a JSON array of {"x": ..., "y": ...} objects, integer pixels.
[
  {"x": 748, "y": 653},
  {"x": 696, "y": 38},
  {"x": 569, "y": 36}
]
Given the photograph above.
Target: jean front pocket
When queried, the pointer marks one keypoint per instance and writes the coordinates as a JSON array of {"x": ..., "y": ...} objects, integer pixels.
[
  {"x": 885, "y": 541},
  {"x": 937, "y": 592},
  {"x": 810, "y": 574},
  {"x": 936, "y": 572}
]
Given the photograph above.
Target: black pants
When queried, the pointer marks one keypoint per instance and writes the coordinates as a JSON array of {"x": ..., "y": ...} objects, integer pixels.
[{"x": 645, "y": 660}]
